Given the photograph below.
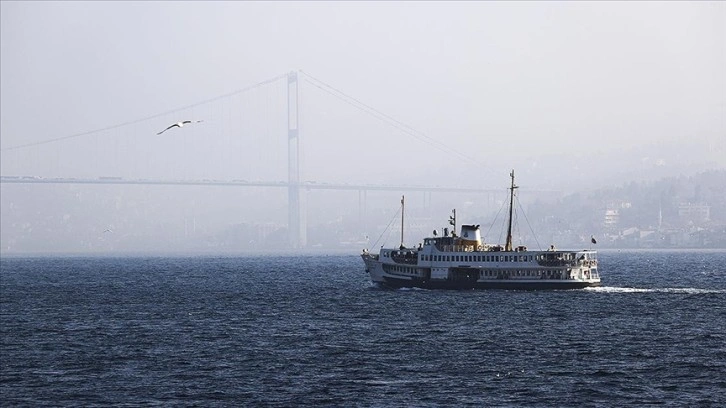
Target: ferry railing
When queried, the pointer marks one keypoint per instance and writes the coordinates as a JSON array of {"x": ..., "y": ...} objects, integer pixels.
[{"x": 455, "y": 248}]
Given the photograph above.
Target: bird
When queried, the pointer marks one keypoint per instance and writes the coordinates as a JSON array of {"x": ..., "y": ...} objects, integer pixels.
[
  {"x": 179, "y": 125},
  {"x": 107, "y": 230},
  {"x": 592, "y": 239}
]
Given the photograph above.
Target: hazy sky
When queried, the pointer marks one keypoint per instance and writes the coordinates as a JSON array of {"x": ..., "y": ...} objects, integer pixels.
[{"x": 487, "y": 78}]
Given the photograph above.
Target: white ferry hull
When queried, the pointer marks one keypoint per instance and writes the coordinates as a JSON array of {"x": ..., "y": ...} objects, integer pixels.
[
  {"x": 458, "y": 278},
  {"x": 393, "y": 283}
]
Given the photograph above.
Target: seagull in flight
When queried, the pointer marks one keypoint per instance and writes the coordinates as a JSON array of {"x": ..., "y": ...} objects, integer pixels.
[{"x": 179, "y": 125}]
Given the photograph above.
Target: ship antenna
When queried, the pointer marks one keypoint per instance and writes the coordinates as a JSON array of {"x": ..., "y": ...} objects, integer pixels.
[
  {"x": 508, "y": 245},
  {"x": 402, "y": 212},
  {"x": 452, "y": 219}
]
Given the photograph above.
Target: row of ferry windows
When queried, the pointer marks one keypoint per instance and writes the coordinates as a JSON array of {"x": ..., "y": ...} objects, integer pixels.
[
  {"x": 529, "y": 273},
  {"x": 401, "y": 269},
  {"x": 477, "y": 258}
]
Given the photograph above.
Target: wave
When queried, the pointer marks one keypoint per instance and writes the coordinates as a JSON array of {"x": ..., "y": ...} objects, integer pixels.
[
  {"x": 410, "y": 289},
  {"x": 688, "y": 291}
]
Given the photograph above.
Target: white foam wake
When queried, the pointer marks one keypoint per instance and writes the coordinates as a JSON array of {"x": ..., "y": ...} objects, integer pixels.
[{"x": 689, "y": 291}]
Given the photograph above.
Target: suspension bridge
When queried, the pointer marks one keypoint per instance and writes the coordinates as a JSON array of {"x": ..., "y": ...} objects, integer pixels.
[{"x": 251, "y": 137}]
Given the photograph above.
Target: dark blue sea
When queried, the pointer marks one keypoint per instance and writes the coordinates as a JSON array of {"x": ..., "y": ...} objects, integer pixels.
[{"x": 312, "y": 331}]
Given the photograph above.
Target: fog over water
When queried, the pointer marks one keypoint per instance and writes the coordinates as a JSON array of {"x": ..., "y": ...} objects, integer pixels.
[{"x": 573, "y": 95}]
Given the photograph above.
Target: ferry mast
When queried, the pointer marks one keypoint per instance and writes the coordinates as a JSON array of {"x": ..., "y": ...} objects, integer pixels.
[
  {"x": 508, "y": 245},
  {"x": 402, "y": 212}
]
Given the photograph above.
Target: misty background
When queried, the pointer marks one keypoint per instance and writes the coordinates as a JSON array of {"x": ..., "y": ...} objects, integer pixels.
[{"x": 612, "y": 114}]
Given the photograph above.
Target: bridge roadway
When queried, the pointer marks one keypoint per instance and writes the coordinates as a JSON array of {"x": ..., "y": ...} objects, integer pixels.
[{"x": 308, "y": 185}]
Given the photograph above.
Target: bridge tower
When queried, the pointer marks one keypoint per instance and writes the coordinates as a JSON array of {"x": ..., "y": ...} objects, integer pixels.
[{"x": 297, "y": 228}]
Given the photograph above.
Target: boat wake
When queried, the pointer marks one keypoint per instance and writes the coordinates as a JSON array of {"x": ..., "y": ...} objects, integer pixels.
[{"x": 687, "y": 291}]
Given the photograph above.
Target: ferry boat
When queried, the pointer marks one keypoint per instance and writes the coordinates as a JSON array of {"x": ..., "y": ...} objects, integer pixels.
[{"x": 464, "y": 261}]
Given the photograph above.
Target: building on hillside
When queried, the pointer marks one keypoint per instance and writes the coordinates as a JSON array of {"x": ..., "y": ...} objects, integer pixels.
[{"x": 694, "y": 213}]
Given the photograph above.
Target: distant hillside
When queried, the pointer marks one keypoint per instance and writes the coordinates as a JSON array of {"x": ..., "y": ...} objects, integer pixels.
[{"x": 677, "y": 211}]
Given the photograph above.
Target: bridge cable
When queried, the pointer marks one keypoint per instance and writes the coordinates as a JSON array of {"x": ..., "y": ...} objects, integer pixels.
[
  {"x": 227, "y": 95},
  {"x": 386, "y": 118}
]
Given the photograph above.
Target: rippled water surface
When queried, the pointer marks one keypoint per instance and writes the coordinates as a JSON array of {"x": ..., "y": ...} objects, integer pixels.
[{"x": 311, "y": 330}]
